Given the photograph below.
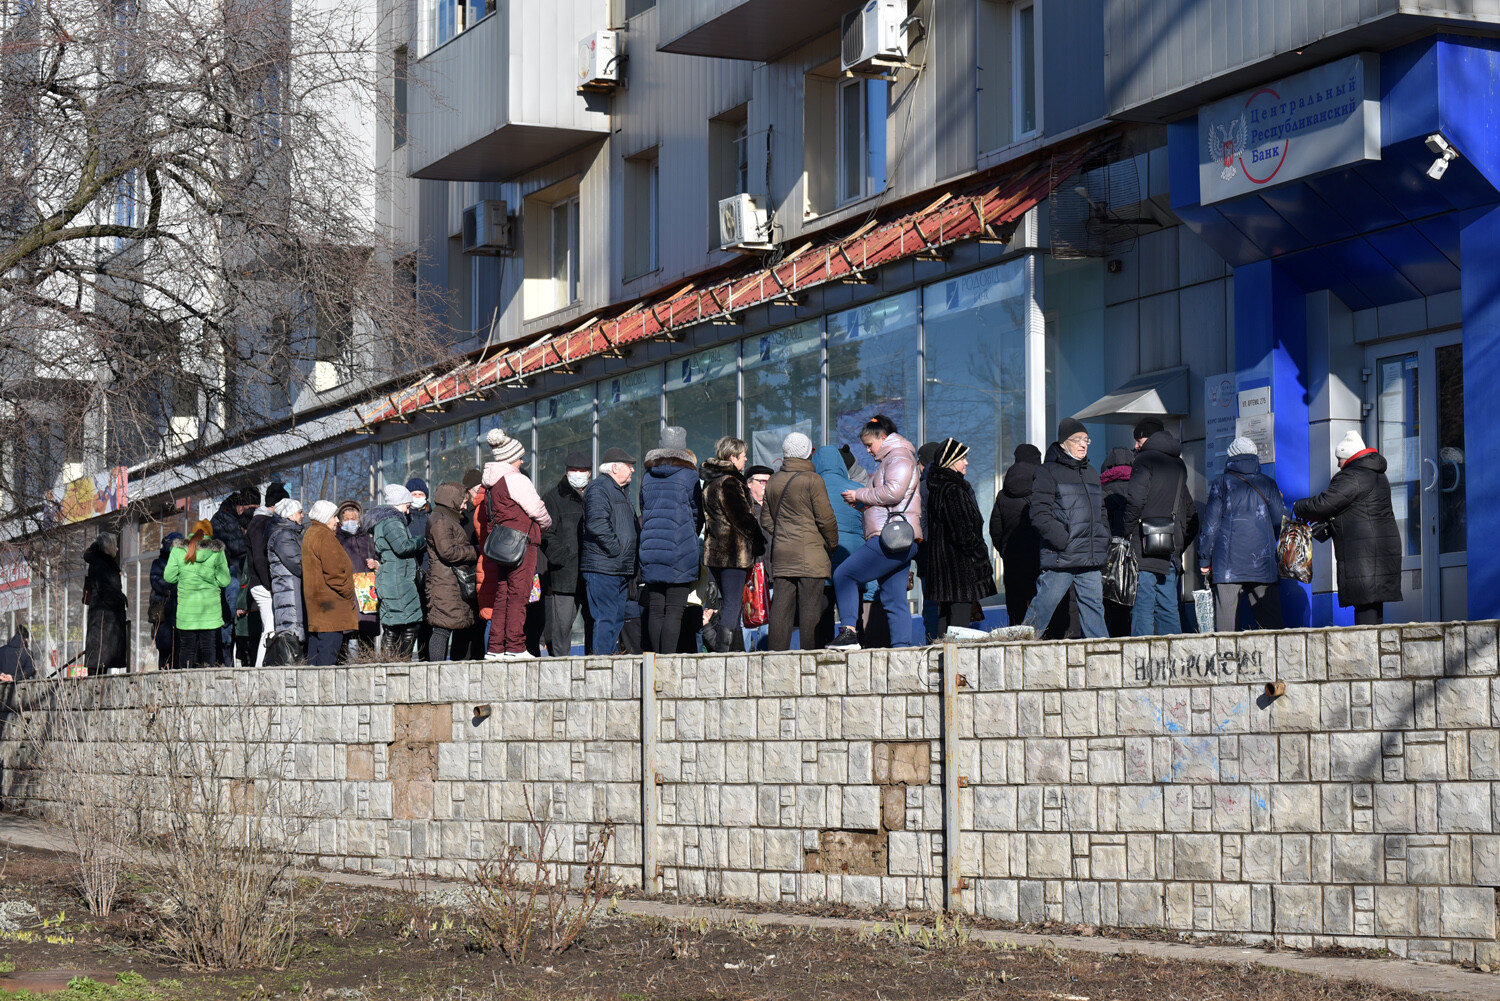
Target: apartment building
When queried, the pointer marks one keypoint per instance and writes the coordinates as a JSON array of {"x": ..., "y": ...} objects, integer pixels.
[{"x": 975, "y": 216}]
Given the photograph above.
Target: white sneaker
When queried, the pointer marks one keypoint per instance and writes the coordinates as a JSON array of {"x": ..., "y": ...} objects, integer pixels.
[
  {"x": 519, "y": 655},
  {"x": 496, "y": 656}
]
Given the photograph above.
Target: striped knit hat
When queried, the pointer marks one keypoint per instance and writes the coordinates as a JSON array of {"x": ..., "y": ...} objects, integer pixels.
[{"x": 506, "y": 448}]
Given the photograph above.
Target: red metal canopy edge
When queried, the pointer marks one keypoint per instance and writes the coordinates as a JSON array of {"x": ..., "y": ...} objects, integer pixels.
[{"x": 952, "y": 218}]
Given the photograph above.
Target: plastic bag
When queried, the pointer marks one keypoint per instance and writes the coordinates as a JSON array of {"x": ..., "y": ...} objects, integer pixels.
[
  {"x": 757, "y": 599},
  {"x": 1122, "y": 572},
  {"x": 364, "y": 592},
  {"x": 1294, "y": 554},
  {"x": 1203, "y": 608}
]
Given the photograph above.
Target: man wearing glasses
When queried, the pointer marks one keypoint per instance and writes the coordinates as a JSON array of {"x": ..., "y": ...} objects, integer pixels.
[{"x": 1067, "y": 509}]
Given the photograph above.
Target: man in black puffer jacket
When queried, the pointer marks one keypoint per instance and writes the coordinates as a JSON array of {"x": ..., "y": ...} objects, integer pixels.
[
  {"x": 1067, "y": 508},
  {"x": 1366, "y": 541},
  {"x": 229, "y": 524},
  {"x": 1158, "y": 490}
]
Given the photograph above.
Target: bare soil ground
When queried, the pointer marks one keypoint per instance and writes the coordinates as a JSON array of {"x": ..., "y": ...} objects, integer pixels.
[{"x": 359, "y": 943}]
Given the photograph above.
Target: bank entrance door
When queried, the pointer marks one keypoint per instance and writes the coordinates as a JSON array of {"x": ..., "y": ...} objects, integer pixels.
[{"x": 1416, "y": 420}]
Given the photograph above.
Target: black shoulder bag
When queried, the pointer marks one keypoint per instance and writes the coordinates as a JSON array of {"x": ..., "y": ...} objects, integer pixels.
[
  {"x": 505, "y": 545},
  {"x": 1159, "y": 535}
]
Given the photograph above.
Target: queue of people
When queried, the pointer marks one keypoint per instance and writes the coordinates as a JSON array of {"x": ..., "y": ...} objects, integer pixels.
[{"x": 492, "y": 568}]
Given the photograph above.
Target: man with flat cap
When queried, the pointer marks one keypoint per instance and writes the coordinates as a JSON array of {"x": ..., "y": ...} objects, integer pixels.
[
  {"x": 1067, "y": 509},
  {"x": 607, "y": 560},
  {"x": 562, "y": 544}
]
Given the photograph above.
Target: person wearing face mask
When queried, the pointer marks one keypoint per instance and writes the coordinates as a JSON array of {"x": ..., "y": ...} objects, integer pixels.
[
  {"x": 607, "y": 560},
  {"x": 327, "y": 586},
  {"x": 396, "y": 580},
  {"x": 449, "y": 612},
  {"x": 361, "y": 549},
  {"x": 562, "y": 542},
  {"x": 1067, "y": 510},
  {"x": 417, "y": 525}
]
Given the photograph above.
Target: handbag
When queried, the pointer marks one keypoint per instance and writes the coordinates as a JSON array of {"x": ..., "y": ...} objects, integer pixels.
[
  {"x": 285, "y": 648},
  {"x": 1159, "y": 535},
  {"x": 757, "y": 603},
  {"x": 897, "y": 534},
  {"x": 467, "y": 576},
  {"x": 505, "y": 545},
  {"x": 365, "y": 598},
  {"x": 1122, "y": 572},
  {"x": 1293, "y": 542}
]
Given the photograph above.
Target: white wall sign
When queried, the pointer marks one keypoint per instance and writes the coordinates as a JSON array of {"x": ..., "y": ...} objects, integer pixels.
[
  {"x": 1261, "y": 429},
  {"x": 1324, "y": 118},
  {"x": 1219, "y": 402},
  {"x": 1255, "y": 401}
]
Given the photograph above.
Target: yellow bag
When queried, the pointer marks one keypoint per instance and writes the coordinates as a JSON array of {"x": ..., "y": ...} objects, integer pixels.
[{"x": 364, "y": 593}]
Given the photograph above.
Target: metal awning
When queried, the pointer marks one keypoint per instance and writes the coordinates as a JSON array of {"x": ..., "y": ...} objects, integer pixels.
[{"x": 1163, "y": 393}]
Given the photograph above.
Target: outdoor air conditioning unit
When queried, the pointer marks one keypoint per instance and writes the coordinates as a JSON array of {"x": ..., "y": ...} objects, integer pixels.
[
  {"x": 874, "y": 36},
  {"x": 487, "y": 228},
  {"x": 182, "y": 431},
  {"x": 325, "y": 376},
  {"x": 599, "y": 61},
  {"x": 742, "y": 224}
]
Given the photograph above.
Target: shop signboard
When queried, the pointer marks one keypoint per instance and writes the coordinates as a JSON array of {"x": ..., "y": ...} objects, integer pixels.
[
  {"x": 1315, "y": 121},
  {"x": 15, "y": 585}
]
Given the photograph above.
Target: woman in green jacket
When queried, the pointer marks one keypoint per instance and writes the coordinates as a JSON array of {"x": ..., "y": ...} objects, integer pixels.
[
  {"x": 396, "y": 580},
  {"x": 201, "y": 572}
]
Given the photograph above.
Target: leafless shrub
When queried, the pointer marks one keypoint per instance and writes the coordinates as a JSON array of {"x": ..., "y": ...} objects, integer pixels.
[
  {"x": 415, "y": 915},
  {"x": 521, "y": 894}
]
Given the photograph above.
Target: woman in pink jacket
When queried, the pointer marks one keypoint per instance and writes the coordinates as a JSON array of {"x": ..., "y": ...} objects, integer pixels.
[
  {"x": 892, "y": 491},
  {"x": 512, "y": 502}
]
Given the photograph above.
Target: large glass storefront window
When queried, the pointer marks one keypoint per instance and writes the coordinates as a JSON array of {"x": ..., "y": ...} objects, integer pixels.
[
  {"x": 703, "y": 396},
  {"x": 321, "y": 483},
  {"x": 630, "y": 412},
  {"x": 355, "y": 475},
  {"x": 401, "y": 460},
  {"x": 452, "y": 451},
  {"x": 564, "y": 423},
  {"x": 783, "y": 388},
  {"x": 874, "y": 367},
  {"x": 975, "y": 329}
]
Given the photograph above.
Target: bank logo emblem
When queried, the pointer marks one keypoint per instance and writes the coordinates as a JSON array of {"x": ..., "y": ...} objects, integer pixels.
[{"x": 1228, "y": 141}]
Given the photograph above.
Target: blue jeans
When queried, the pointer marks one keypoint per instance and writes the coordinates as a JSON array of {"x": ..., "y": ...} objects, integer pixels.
[
  {"x": 323, "y": 648},
  {"x": 1052, "y": 587},
  {"x": 606, "y": 597},
  {"x": 1157, "y": 611},
  {"x": 871, "y": 562},
  {"x": 226, "y": 635}
]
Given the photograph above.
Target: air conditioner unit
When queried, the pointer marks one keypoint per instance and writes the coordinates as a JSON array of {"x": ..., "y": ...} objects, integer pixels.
[
  {"x": 599, "y": 61},
  {"x": 742, "y": 224},
  {"x": 182, "y": 431},
  {"x": 873, "y": 36},
  {"x": 487, "y": 228},
  {"x": 326, "y": 376}
]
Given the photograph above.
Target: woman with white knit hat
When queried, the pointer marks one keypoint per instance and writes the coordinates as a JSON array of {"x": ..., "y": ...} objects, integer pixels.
[
  {"x": 1366, "y": 541},
  {"x": 510, "y": 501},
  {"x": 1237, "y": 550}
]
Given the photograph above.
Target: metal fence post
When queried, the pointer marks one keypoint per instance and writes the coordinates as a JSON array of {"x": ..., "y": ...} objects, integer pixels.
[
  {"x": 953, "y": 880},
  {"x": 648, "y": 774}
]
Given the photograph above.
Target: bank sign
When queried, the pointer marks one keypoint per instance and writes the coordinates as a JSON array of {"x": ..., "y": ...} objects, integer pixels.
[{"x": 1319, "y": 120}]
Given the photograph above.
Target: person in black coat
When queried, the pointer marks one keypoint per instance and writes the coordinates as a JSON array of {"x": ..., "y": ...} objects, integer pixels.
[
  {"x": 1158, "y": 490},
  {"x": 959, "y": 572},
  {"x": 1020, "y": 547},
  {"x": 1067, "y": 509},
  {"x": 1115, "y": 479},
  {"x": 104, "y": 646},
  {"x": 229, "y": 524},
  {"x": 562, "y": 541},
  {"x": 163, "y": 609},
  {"x": 16, "y": 663},
  {"x": 1366, "y": 540},
  {"x": 607, "y": 560}
]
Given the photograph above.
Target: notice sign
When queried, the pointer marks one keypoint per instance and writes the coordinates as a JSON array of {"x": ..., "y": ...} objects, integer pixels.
[
  {"x": 1219, "y": 403},
  {"x": 15, "y": 586},
  {"x": 1261, "y": 429},
  {"x": 1324, "y": 118}
]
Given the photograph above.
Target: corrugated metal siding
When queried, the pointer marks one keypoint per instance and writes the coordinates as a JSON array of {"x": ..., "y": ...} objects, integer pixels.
[{"x": 1071, "y": 52}]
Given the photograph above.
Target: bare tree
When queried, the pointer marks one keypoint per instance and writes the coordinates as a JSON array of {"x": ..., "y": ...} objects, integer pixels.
[{"x": 189, "y": 254}]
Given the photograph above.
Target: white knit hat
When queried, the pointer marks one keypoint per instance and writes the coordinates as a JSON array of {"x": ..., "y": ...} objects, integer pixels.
[
  {"x": 286, "y": 507},
  {"x": 796, "y": 446},
  {"x": 321, "y": 511},
  {"x": 395, "y": 495},
  {"x": 1243, "y": 446},
  {"x": 506, "y": 448},
  {"x": 1351, "y": 445}
]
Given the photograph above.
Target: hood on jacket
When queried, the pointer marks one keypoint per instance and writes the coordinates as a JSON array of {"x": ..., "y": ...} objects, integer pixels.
[
  {"x": 828, "y": 460},
  {"x": 166, "y": 544},
  {"x": 1163, "y": 441},
  {"x": 1368, "y": 459},
  {"x": 891, "y": 445},
  {"x": 376, "y": 515},
  {"x": 668, "y": 459},
  {"x": 715, "y": 468},
  {"x": 1243, "y": 464},
  {"x": 212, "y": 545},
  {"x": 1119, "y": 456},
  {"x": 1018, "y": 479},
  {"x": 495, "y": 471},
  {"x": 449, "y": 495}
]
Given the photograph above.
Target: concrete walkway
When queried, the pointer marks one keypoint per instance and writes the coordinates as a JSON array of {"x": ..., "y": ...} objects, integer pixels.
[{"x": 1396, "y": 974}]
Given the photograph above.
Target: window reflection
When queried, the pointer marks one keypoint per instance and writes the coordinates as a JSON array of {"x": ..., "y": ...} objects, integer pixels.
[
  {"x": 564, "y": 423},
  {"x": 630, "y": 412},
  {"x": 702, "y": 396},
  {"x": 783, "y": 388},
  {"x": 873, "y": 366}
]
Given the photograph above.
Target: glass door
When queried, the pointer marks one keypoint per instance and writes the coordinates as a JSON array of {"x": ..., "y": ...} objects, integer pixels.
[{"x": 1417, "y": 424}]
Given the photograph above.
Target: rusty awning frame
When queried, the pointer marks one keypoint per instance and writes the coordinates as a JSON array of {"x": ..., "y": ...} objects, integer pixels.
[{"x": 978, "y": 212}]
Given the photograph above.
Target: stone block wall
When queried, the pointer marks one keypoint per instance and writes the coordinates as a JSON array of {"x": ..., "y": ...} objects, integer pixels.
[{"x": 1134, "y": 783}]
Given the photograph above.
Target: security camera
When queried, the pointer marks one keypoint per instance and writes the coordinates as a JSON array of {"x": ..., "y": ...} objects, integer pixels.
[{"x": 1445, "y": 153}]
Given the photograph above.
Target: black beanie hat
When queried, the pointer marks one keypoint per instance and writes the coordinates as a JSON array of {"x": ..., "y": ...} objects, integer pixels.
[
  {"x": 928, "y": 452},
  {"x": 848, "y": 456},
  {"x": 1068, "y": 427},
  {"x": 276, "y": 492},
  {"x": 1027, "y": 453},
  {"x": 1148, "y": 426}
]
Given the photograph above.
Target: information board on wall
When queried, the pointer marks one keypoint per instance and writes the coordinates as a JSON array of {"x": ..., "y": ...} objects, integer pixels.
[
  {"x": 15, "y": 586},
  {"x": 1219, "y": 411}
]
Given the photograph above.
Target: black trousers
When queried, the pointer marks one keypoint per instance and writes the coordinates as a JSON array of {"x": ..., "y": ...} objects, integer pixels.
[
  {"x": 197, "y": 648},
  {"x": 799, "y": 601},
  {"x": 953, "y": 613},
  {"x": 665, "y": 604},
  {"x": 1370, "y": 615},
  {"x": 400, "y": 641}
]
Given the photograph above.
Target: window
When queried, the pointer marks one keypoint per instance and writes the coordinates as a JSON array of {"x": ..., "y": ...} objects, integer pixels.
[
  {"x": 874, "y": 368},
  {"x": 783, "y": 373},
  {"x": 398, "y": 126},
  {"x": 452, "y": 450},
  {"x": 443, "y": 20},
  {"x": 862, "y": 109},
  {"x": 551, "y": 245},
  {"x": 630, "y": 412},
  {"x": 1023, "y": 68},
  {"x": 728, "y": 164},
  {"x": 703, "y": 396},
  {"x": 461, "y": 290},
  {"x": 642, "y": 215},
  {"x": 402, "y": 460},
  {"x": 634, "y": 7},
  {"x": 564, "y": 423}
]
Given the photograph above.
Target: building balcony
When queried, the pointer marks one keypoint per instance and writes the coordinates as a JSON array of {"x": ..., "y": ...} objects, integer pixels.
[
  {"x": 500, "y": 98},
  {"x": 758, "y": 30}
]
